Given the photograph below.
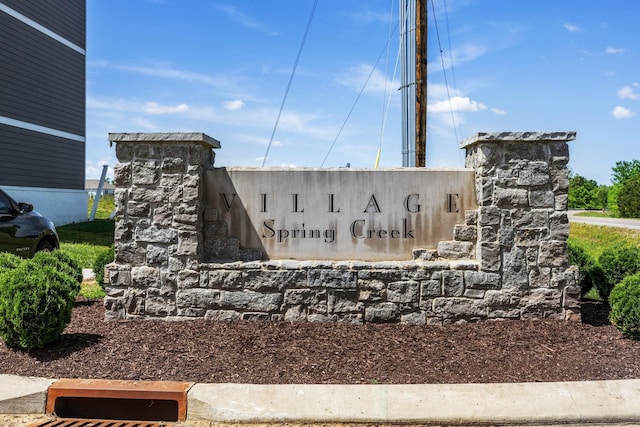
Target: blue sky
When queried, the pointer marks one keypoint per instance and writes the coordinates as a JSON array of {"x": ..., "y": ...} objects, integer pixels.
[{"x": 222, "y": 67}]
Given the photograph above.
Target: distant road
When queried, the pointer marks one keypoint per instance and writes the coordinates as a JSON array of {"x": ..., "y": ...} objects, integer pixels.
[{"x": 608, "y": 222}]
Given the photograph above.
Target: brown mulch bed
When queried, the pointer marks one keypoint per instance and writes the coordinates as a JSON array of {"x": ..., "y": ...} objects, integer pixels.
[{"x": 281, "y": 353}]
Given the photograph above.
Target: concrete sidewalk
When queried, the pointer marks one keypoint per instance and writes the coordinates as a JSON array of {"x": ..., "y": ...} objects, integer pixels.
[{"x": 565, "y": 403}]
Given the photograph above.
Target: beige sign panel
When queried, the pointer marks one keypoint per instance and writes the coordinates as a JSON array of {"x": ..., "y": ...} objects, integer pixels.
[{"x": 338, "y": 214}]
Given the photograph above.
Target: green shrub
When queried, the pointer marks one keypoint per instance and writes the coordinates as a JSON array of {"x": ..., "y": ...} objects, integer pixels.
[
  {"x": 105, "y": 257},
  {"x": 36, "y": 300},
  {"x": 61, "y": 262},
  {"x": 629, "y": 198},
  {"x": 625, "y": 306},
  {"x": 586, "y": 265},
  {"x": 9, "y": 261},
  {"x": 617, "y": 262}
]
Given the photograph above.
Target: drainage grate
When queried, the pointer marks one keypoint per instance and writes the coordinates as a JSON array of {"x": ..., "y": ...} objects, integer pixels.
[{"x": 96, "y": 423}]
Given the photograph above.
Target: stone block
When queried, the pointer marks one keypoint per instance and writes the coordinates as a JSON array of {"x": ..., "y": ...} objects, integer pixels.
[
  {"x": 333, "y": 279},
  {"x": 147, "y": 151},
  {"x": 424, "y": 254},
  {"x": 403, "y": 292},
  {"x": 384, "y": 312},
  {"x": 466, "y": 233},
  {"x": 453, "y": 283},
  {"x": 198, "y": 298},
  {"x": 481, "y": 280},
  {"x": 490, "y": 215},
  {"x": 145, "y": 277},
  {"x": 343, "y": 302},
  {"x": 149, "y": 195},
  {"x": 488, "y": 234},
  {"x": 471, "y": 217},
  {"x": 122, "y": 175},
  {"x": 415, "y": 318},
  {"x": 553, "y": 253},
  {"x": 188, "y": 279},
  {"x": 159, "y": 306},
  {"x": 541, "y": 199},
  {"x": 157, "y": 255},
  {"x": 540, "y": 277},
  {"x": 534, "y": 174},
  {"x": 259, "y": 317},
  {"x": 490, "y": 257},
  {"x": 511, "y": 197},
  {"x": 275, "y": 280},
  {"x": 114, "y": 309},
  {"x": 372, "y": 290},
  {"x": 559, "y": 226},
  {"x": 501, "y": 298},
  {"x": 129, "y": 253},
  {"x": 514, "y": 273},
  {"x": 250, "y": 300},
  {"x": 541, "y": 299},
  {"x": 226, "y": 279},
  {"x": 459, "y": 308},
  {"x": 134, "y": 302},
  {"x": 118, "y": 275},
  {"x": 124, "y": 152},
  {"x": 430, "y": 289},
  {"x": 222, "y": 315},
  {"x": 188, "y": 243},
  {"x": 155, "y": 234},
  {"x": 455, "y": 250},
  {"x": 531, "y": 151},
  {"x": 145, "y": 172}
]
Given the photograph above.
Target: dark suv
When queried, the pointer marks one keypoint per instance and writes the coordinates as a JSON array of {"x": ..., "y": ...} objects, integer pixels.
[{"x": 24, "y": 232}]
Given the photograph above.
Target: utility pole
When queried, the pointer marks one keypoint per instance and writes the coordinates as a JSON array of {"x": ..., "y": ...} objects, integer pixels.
[{"x": 421, "y": 82}]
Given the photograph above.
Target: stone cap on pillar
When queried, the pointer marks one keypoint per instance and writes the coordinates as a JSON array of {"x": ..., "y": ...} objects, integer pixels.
[
  {"x": 165, "y": 137},
  {"x": 483, "y": 137}
]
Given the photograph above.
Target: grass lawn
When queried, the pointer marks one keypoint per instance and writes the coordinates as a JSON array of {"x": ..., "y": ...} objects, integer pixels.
[
  {"x": 596, "y": 214},
  {"x": 84, "y": 241}
]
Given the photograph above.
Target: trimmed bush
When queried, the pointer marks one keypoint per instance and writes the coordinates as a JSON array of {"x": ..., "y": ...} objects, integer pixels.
[
  {"x": 9, "y": 261},
  {"x": 588, "y": 267},
  {"x": 61, "y": 262},
  {"x": 36, "y": 299},
  {"x": 617, "y": 263},
  {"x": 625, "y": 306},
  {"x": 105, "y": 257}
]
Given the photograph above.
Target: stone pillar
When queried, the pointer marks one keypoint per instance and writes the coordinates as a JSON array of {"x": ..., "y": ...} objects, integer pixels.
[
  {"x": 159, "y": 226},
  {"x": 522, "y": 181}
]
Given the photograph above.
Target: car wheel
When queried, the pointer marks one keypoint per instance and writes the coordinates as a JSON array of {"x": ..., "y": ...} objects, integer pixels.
[{"x": 44, "y": 246}]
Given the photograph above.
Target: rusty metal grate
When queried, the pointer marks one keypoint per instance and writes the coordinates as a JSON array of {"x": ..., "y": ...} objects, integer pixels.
[{"x": 69, "y": 422}]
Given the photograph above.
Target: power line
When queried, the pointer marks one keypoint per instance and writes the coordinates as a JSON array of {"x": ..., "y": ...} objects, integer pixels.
[
  {"x": 286, "y": 92},
  {"x": 444, "y": 72},
  {"x": 358, "y": 97}
]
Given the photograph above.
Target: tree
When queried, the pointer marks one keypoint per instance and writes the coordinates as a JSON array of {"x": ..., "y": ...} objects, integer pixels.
[
  {"x": 584, "y": 193},
  {"x": 625, "y": 170},
  {"x": 629, "y": 198}
]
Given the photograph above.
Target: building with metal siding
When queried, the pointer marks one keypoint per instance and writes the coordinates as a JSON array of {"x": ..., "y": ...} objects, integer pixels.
[{"x": 42, "y": 105}]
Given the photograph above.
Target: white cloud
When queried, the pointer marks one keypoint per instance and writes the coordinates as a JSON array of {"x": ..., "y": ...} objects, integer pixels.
[
  {"x": 614, "y": 51},
  {"x": 622, "y": 113},
  {"x": 499, "y": 111},
  {"x": 155, "y": 108},
  {"x": 465, "y": 53},
  {"x": 245, "y": 20},
  {"x": 572, "y": 28},
  {"x": 234, "y": 105},
  {"x": 628, "y": 92},
  {"x": 458, "y": 103},
  {"x": 356, "y": 77}
]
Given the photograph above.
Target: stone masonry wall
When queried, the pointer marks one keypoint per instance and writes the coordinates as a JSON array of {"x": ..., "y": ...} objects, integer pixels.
[{"x": 508, "y": 260}]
